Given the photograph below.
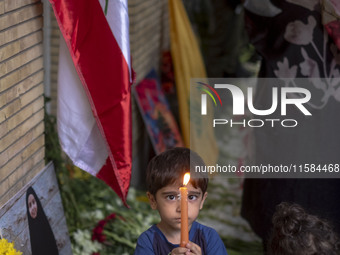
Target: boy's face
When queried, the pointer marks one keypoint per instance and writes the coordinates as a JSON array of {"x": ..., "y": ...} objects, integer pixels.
[{"x": 169, "y": 206}]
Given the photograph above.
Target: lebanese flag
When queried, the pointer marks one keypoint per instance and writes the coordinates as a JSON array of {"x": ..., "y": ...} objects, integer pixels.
[{"x": 94, "y": 99}]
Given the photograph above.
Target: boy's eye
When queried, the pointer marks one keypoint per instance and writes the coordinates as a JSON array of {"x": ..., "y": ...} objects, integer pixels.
[
  {"x": 192, "y": 197},
  {"x": 171, "y": 197}
]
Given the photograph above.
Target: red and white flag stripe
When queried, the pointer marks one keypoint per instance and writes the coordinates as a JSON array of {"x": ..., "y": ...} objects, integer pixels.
[{"x": 94, "y": 100}]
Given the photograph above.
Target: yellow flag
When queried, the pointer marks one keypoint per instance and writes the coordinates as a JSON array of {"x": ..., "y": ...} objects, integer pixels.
[{"x": 188, "y": 64}]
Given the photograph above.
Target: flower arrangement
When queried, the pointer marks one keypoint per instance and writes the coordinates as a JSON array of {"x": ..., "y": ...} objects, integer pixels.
[
  {"x": 118, "y": 232},
  {"x": 7, "y": 248}
]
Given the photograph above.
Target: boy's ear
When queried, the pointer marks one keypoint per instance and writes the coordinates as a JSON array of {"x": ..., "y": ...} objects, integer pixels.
[
  {"x": 203, "y": 199},
  {"x": 152, "y": 200}
]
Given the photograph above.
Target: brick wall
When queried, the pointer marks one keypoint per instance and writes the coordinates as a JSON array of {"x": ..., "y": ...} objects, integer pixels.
[
  {"x": 149, "y": 34},
  {"x": 21, "y": 94}
]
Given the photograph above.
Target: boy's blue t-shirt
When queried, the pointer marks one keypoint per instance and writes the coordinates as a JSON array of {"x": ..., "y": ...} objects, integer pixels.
[{"x": 153, "y": 241}]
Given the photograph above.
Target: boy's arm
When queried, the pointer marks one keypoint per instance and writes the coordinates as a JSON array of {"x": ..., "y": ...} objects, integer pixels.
[{"x": 144, "y": 246}]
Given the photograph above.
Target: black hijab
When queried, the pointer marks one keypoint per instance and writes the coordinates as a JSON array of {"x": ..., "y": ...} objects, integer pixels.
[{"x": 41, "y": 235}]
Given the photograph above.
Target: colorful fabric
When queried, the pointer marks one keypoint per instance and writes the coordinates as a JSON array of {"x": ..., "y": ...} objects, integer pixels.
[
  {"x": 188, "y": 64},
  {"x": 94, "y": 111}
]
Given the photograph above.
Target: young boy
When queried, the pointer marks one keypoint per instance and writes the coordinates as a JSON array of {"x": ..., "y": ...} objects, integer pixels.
[{"x": 164, "y": 177}]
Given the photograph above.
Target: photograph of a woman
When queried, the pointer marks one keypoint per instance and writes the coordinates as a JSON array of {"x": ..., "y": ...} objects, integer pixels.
[{"x": 42, "y": 238}]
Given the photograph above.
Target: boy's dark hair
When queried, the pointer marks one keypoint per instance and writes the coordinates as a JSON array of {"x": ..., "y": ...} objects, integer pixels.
[
  {"x": 296, "y": 232},
  {"x": 170, "y": 166}
]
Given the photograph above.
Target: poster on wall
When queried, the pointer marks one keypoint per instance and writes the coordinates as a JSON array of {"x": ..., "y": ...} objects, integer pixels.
[
  {"x": 34, "y": 218},
  {"x": 159, "y": 120}
]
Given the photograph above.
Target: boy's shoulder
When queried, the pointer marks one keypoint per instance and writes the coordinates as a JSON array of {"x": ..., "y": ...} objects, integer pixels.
[
  {"x": 145, "y": 243},
  {"x": 153, "y": 241},
  {"x": 145, "y": 240},
  {"x": 205, "y": 229},
  {"x": 208, "y": 239},
  {"x": 149, "y": 233}
]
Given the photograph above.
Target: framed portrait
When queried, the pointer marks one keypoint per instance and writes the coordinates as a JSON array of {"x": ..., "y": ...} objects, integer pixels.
[{"x": 34, "y": 218}]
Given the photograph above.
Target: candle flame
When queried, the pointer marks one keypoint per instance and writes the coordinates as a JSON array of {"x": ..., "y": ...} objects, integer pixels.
[{"x": 186, "y": 178}]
